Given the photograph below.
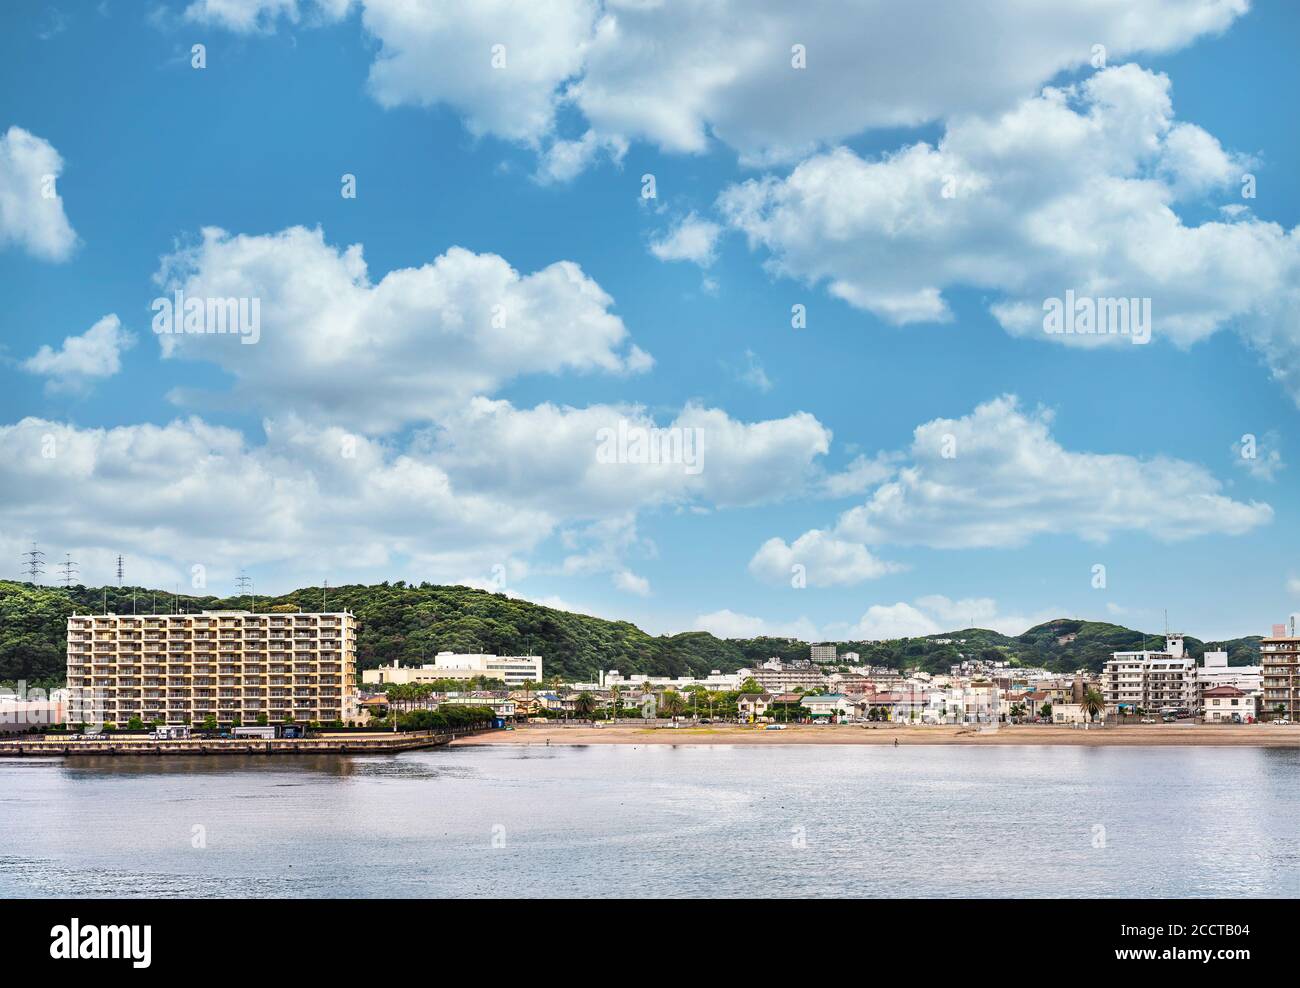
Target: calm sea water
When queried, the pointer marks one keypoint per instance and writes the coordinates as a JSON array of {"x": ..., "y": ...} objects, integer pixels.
[{"x": 660, "y": 821}]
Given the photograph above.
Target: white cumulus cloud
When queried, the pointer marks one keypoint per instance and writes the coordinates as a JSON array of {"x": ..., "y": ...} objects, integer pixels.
[
  {"x": 31, "y": 209},
  {"x": 95, "y": 354},
  {"x": 1073, "y": 190},
  {"x": 691, "y": 239},
  {"x": 825, "y": 560},
  {"x": 418, "y": 343},
  {"x": 998, "y": 478},
  {"x": 681, "y": 74},
  {"x": 729, "y": 624}
]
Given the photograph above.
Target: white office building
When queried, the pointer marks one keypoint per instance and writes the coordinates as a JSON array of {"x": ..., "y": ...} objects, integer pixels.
[
  {"x": 513, "y": 670},
  {"x": 715, "y": 680},
  {"x": 1215, "y": 671},
  {"x": 1151, "y": 681}
]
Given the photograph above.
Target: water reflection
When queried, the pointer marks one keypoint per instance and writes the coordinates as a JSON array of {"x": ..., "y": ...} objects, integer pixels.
[{"x": 660, "y": 821}]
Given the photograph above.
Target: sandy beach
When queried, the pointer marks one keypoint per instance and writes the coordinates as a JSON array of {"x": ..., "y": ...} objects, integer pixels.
[{"x": 1233, "y": 735}]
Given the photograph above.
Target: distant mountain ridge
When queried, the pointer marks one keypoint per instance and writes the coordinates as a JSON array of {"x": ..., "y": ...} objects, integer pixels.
[{"x": 412, "y": 622}]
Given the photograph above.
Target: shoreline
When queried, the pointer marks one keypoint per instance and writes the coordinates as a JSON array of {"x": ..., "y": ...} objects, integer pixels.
[
  {"x": 127, "y": 747},
  {"x": 1189, "y": 735}
]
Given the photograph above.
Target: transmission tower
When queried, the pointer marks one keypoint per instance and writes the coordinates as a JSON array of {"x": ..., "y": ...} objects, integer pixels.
[
  {"x": 245, "y": 586},
  {"x": 34, "y": 564},
  {"x": 69, "y": 570},
  {"x": 119, "y": 572}
]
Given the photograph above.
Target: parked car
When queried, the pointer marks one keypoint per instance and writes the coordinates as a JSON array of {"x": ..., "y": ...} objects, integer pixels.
[
  {"x": 1149, "y": 720},
  {"x": 774, "y": 727}
]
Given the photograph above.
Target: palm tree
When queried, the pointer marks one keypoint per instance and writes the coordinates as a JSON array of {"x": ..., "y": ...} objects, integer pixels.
[
  {"x": 615, "y": 700},
  {"x": 672, "y": 704},
  {"x": 585, "y": 705},
  {"x": 1093, "y": 704}
]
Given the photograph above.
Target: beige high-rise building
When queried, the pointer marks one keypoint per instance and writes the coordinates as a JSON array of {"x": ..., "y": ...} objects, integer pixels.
[
  {"x": 181, "y": 668},
  {"x": 1280, "y": 657}
]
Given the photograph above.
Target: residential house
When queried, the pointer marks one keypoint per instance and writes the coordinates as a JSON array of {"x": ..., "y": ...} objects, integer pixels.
[
  {"x": 1229, "y": 705},
  {"x": 752, "y": 706},
  {"x": 828, "y": 706}
]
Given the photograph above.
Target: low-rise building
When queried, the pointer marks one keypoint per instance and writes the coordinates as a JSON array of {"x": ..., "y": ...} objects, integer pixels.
[
  {"x": 828, "y": 706},
  {"x": 1228, "y": 705},
  {"x": 850, "y": 682},
  {"x": 1069, "y": 713},
  {"x": 513, "y": 670},
  {"x": 751, "y": 706},
  {"x": 502, "y": 706},
  {"x": 716, "y": 681},
  {"x": 22, "y": 712},
  {"x": 1215, "y": 671}
]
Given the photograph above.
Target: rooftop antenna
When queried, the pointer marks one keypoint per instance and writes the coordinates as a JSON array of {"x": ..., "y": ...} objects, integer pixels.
[
  {"x": 35, "y": 564},
  {"x": 322, "y": 595},
  {"x": 69, "y": 568}
]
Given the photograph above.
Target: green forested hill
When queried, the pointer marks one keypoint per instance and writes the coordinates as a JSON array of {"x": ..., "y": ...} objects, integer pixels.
[{"x": 413, "y": 622}]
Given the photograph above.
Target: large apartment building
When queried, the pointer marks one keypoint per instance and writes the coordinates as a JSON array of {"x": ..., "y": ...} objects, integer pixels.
[
  {"x": 823, "y": 654},
  {"x": 181, "y": 668},
  {"x": 1280, "y": 657},
  {"x": 776, "y": 676},
  {"x": 1151, "y": 681}
]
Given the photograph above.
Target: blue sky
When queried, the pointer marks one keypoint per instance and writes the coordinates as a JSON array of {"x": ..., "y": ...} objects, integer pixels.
[{"x": 472, "y": 448}]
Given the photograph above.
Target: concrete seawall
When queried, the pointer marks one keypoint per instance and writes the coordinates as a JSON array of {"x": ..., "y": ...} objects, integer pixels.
[{"x": 325, "y": 744}]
